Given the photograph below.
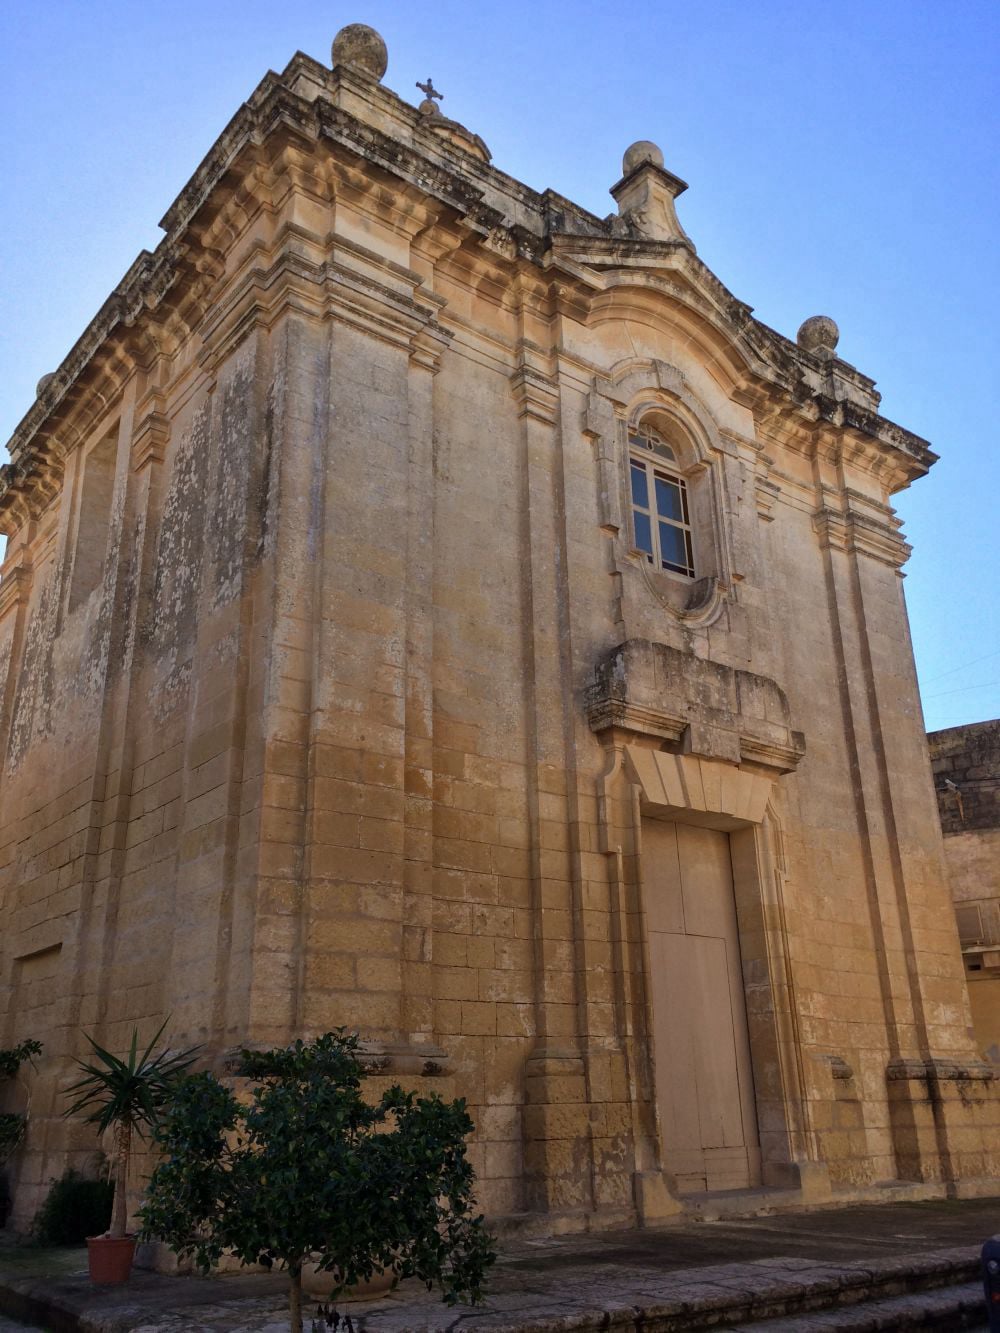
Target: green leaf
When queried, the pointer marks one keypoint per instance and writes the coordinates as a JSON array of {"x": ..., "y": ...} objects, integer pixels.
[
  {"x": 127, "y": 1092},
  {"x": 308, "y": 1167}
]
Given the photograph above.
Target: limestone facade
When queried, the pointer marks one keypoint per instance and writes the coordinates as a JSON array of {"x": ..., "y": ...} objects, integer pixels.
[
  {"x": 966, "y": 766},
  {"x": 348, "y": 679}
]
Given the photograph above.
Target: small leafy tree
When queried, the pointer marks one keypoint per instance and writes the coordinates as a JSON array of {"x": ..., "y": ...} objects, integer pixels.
[
  {"x": 128, "y": 1096},
  {"x": 12, "y": 1124},
  {"x": 307, "y": 1171}
]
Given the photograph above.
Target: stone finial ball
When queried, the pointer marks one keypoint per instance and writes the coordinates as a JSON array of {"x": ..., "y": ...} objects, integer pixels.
[
  {"x": 643, "y": 151},
  {"x": 363, "y": 47},
  {"x": 44, "y": 383},
  {"x": 818, "y": 334}
]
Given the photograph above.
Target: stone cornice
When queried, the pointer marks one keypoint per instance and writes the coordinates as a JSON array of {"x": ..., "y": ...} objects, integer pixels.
[
  {"x": 321, "y": 289},
  {"x": 165, "y": 294},
  {"x": 605, "y": 712},
  {"x": 649, "y": 689},
  {"x": 15, "y": 588},
  {"x": 788, "y": 379},
  {"x": 782, "y": 758},
  {"x": 142, "y": 289},
  {"x": 859, "y": 525},
  {"x": 150, "y": 433}
]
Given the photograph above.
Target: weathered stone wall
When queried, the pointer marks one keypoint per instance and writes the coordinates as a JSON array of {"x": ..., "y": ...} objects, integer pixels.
[
  {"x": 966, "y": 766},
  {"x": 965, "y": 762},
  {"x": 361, "y": 722}
]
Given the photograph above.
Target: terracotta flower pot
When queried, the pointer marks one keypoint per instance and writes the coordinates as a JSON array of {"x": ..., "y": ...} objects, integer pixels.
[{"x": 110, "y": 1259}]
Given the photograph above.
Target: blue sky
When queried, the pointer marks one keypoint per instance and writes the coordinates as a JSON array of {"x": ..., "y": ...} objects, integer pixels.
[{"x": 842, "y": 160}]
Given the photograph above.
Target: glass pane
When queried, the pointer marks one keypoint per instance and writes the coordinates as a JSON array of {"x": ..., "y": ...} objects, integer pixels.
[
  {"x": 647, "y": 438},
  {"x": 674, "y": 548},
  {"x": 668, "y": 499},
  {"x": 640, "y": 487},
  {"x": 643, "y": 532}
]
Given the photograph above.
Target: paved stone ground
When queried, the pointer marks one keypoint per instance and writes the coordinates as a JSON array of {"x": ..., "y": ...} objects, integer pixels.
[
  {"x": 581, "y": 1281},
  {"x": 926, "y": 1309}
]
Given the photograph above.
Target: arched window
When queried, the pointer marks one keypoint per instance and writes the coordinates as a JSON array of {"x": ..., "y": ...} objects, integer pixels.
[{"x": 661, "y": 522}]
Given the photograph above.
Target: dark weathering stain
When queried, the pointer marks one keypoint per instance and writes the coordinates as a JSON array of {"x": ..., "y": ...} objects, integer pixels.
[
  {"x": 181, "y": 543},
  {"x": 234, "y": 464},
  {"x": 33, "y": 703},
  {"x": 104, "y": 651},
  {"x": 266, "y": 498}
]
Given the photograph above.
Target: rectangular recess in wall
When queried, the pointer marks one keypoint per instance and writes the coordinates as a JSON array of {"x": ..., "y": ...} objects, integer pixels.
[
  {"x": 37, "y": 978},
  {"x": 93, "y": 521}
]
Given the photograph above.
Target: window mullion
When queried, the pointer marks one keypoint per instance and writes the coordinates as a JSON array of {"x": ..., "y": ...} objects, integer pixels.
[{"x": 654, "y": 514}]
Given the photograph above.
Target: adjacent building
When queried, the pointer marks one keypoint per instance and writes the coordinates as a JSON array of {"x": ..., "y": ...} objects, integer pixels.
[
  {"x": 434, "y": 609},
  {"x": 966, "y": 765}
]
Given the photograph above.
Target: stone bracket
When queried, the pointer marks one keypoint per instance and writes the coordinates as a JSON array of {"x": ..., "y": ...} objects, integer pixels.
[{"x": 942, "y": 1071}]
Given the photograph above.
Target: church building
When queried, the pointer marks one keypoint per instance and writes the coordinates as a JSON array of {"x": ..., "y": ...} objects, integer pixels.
[{"x": 435, "y": 610}]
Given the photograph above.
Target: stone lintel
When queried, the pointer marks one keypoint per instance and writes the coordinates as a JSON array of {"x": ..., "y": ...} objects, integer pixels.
[{"x": 707, "y": 792}]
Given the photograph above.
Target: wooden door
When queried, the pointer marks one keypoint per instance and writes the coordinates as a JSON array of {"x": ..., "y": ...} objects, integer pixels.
[{"x": 704, "y": 1079}]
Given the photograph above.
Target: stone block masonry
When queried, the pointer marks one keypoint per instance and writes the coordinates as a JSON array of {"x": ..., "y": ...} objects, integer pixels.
[
  {"x": 437, "y": 611},
  {"x": 965, "y": 762}
]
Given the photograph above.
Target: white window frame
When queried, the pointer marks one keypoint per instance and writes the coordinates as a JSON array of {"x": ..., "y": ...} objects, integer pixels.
[{"x": 648, "y": 450}]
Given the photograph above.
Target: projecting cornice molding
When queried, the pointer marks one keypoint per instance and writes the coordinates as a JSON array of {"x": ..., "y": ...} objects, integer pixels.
[
  {"x": 317, "y": 130},
  {"x": 707, "y": 709},
  {"x": 850, "y": 521}
]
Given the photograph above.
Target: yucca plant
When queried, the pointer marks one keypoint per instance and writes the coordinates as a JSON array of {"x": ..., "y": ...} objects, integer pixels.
[{"x": 127, "y": 1096}]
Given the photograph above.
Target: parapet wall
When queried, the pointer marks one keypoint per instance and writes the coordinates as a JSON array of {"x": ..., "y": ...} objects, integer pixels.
[{"x": 966, "y": 766}]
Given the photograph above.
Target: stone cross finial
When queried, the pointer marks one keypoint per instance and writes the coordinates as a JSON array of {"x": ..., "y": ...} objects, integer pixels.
[
  {"x": 428, "y": 89},
  {"x": 428, "y": 106}
]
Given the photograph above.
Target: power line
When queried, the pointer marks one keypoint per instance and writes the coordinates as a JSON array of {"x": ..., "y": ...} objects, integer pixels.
[
  {"x": 987, "y": 685},
  {"x": 951, "y": 671}
]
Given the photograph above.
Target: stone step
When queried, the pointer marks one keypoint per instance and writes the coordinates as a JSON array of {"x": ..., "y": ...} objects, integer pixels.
[
  {"x": 923, "y": 1289},
  {"x": 785, "y": 1292},
  {"x": 949, "y": 1308}
]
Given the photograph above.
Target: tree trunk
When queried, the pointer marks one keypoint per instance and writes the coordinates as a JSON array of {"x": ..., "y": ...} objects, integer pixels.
[
  {"x": 119, "y": 1209},
  {"x": 295, "y": 1297}
]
